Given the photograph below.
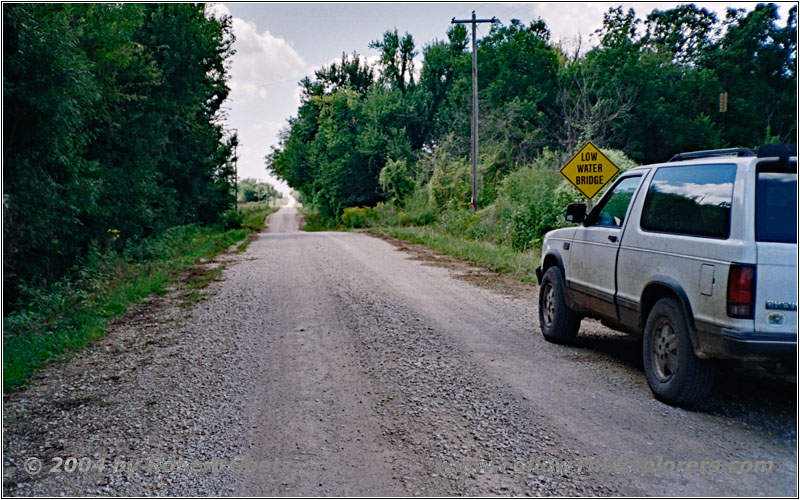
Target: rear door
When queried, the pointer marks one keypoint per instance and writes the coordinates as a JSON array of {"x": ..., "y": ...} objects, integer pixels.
[{"x": 776, "y": 246}]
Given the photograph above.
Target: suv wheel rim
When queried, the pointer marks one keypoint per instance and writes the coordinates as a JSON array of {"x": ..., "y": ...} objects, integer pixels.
[
  {"x": 665, "y": 351},
  {"x": 548, "y": 305}
]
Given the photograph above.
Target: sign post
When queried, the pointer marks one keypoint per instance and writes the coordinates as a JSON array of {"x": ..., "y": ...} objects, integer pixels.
[{"x": 589, "y": 170}]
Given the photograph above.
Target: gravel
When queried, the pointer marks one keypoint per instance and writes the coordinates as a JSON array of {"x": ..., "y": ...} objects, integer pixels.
[{"x": 336, "y": 364}]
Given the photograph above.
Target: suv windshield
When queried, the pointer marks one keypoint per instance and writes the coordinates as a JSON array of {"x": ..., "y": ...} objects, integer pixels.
[{"x": 776, "y": 204}]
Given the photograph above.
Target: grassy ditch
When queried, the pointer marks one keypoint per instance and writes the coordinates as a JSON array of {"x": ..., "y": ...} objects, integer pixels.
[
  {"x": 493, "y": 257},
  {"x": 70, "y": 314},
  {"x": 254, "y": 214}
]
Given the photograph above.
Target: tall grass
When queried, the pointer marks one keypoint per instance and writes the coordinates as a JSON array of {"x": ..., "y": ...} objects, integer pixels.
[{"x": 491, "y": 256}]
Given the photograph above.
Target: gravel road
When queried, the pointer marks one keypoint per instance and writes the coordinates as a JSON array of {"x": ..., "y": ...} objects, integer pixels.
[{"x": 333, "y": 364}]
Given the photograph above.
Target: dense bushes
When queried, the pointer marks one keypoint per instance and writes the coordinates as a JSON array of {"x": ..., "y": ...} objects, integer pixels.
[
  {"x": 111, "y": 131},
  {"x": 356, "y": 217},
  {"x": 395, "y": 179},
  {"x": 528, "y": 202}
]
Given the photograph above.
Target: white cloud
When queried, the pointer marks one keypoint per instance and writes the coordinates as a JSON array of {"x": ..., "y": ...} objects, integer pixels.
[
  {"x": 261, "y": 60},
  {"x": 418, "y": 66},
  {"x": 269, "y": 125},
  {"x": 568, "y": 21},
  {"x": 263, "y": 72}
]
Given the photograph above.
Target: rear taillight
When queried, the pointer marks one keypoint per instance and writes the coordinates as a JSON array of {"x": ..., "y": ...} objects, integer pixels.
[{"x": 741, "y": 291}]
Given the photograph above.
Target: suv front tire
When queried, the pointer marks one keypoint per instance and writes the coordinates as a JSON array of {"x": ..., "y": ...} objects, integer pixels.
[{"x": 558, "y": 322}]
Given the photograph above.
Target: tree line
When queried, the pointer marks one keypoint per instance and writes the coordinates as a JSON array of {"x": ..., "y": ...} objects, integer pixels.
[
  {"x": 648, "y": 88},
  {"x": 113, "y": 130},
  {"x": 250, "y": 190}
]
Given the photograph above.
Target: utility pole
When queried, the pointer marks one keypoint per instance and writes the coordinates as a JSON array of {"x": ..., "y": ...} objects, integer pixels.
[
  {"x": 474, "y": 145},
  {"x": 236, "y": 177}
]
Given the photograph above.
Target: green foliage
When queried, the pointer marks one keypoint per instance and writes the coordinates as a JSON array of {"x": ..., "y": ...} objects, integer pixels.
[
  {"x": 395, "y": 180},
  {"x": 522, "y": 203},
  {"x": 418, "y": 206},
  {"x": 397, "y": 59},
  {"x": 450, "y": 184},
  {"x": 252, "y": 190},
  {"x": 620, "y": 159},
  {"x": 230, "y": 219},
  {"x": 313, "y": 221},
  {"x": 398, "y": 147},
  {"x": 111, "y": 131},
  {"x": 254, "y": 215},
  {"x": 756, "y": 64},
  {"x": 356, "y": 217},
  {"x": 518, "y": 218}
]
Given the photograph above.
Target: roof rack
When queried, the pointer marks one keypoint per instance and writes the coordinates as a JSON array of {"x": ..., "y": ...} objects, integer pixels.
[{"x": 713, "y": 152}]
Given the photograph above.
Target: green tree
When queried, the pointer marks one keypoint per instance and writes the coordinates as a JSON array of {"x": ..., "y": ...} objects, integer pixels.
[
  {"x": 686, "y": 32},
  {"x": 351, "y": 73},
  {"x": 445, "y": 64},
  {"x": 50, "y": 188},
  {"x": 113, "y": 130},
  {"x": 756, "y": 64},
  {"x": 252, "y": 190},
  {"x": 649, "y": 89},
  {"x": 396, "y": 59},
  {"x": 518, "y": 79}
]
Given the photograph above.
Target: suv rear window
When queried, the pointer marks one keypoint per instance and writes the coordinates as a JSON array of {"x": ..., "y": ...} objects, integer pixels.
[
  {"x": 776, "y": 204},
  {"x": 693, "y": 200}
]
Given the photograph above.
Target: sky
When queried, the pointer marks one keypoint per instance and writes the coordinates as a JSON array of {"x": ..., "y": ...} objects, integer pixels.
[{"x": 277, "y": 44}]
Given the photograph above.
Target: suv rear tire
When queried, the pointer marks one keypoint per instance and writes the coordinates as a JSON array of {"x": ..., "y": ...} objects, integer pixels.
[
  {"x": 558, "y": 322},
  {"x": 674, "y": 373}
]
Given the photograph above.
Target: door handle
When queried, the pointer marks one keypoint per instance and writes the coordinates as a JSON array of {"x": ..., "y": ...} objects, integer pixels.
[{"x": 612, "y": 238}]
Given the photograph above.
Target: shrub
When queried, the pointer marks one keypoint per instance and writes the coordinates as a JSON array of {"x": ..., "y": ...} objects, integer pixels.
[
  {"x": 450, "y": 186},
  {"x": 395, "y": 180},
  {"x": 419, "y": 207},
  {"x": 458, "y": 222},
  {"x": 230, "y": 219},
  {"x": 528, "y": 204},
  {"x": 357, "y": 217},
  {"x": 620, "y": 159}
]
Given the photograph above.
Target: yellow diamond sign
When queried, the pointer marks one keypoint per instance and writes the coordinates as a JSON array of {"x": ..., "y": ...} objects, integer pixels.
[{"x": 589, "y": 170}]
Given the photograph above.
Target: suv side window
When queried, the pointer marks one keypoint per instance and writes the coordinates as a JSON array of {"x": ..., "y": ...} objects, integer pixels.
[
  {"x": 611, "y": 211},
  {"x": 693, "y": 200},
  {"x": 776, "y": 203}
]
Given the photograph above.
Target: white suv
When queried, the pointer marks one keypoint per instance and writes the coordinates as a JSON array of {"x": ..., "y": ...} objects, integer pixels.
[{"x": 698, "y": 255}]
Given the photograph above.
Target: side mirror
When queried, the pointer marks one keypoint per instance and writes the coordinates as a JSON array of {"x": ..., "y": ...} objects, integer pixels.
[{"x": 576, "y": 212}]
